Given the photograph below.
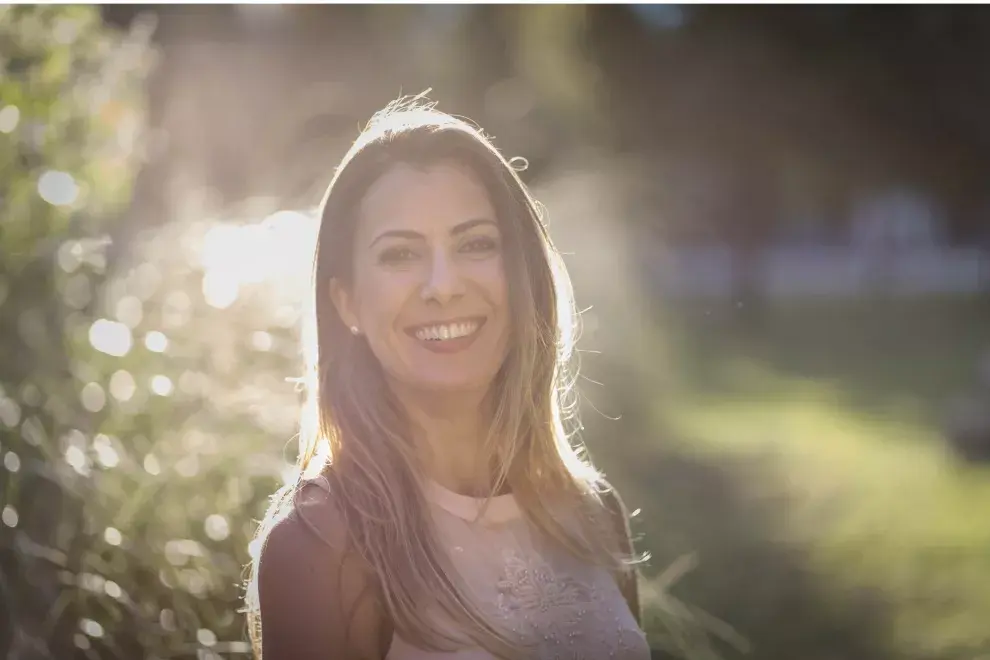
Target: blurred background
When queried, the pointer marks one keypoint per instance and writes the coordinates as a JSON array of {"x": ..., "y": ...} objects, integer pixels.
[{"x": 777, "y": 219}]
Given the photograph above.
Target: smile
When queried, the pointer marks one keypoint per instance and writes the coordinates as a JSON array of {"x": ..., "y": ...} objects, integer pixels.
[{"x": 450, "y": 330}]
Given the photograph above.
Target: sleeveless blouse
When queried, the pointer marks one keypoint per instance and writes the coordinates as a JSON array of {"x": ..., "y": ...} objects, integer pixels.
[{"x": 569, "y": 609}]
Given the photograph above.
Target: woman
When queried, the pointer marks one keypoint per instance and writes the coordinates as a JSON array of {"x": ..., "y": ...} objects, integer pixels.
[{"x": 441, "y": 510}]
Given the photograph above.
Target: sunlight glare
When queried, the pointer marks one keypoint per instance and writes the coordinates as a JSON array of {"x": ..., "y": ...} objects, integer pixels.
[{"x": 279, "y": 249}]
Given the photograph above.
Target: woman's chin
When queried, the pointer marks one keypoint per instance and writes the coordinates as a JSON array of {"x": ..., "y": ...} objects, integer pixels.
[{"x": 450, "y": 384}]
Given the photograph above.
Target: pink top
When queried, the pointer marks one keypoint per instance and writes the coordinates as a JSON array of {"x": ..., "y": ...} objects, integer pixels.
[{"x": 571, "y": 609}]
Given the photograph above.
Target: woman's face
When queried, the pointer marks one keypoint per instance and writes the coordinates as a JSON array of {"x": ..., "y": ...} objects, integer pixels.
[{"x": 429, "y": 290}]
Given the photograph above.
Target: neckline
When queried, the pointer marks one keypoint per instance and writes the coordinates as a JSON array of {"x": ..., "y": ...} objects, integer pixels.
[{"x": 501, "y": 508}]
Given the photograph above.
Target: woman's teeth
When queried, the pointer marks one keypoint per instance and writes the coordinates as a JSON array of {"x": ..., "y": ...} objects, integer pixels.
[{"x": 448, "y": 331}]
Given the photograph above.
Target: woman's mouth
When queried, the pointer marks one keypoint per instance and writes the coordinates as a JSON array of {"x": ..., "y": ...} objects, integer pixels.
[
  {"x": 451, "y": 335},
  {"x": 444, "y": 331}
]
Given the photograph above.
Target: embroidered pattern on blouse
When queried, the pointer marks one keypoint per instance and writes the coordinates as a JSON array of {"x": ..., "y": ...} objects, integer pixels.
[
  {"x": 528, "y": 586},
  {"x": 568, "y": 618}
]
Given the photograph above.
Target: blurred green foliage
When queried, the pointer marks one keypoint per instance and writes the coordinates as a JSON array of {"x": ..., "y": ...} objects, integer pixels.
[
  {"x": 817, "y": 484},
  {"x": 71, "y": 124}
]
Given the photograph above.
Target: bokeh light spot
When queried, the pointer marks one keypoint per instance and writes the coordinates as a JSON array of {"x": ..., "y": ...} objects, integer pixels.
[
  {"x": 58, "y": 188},
  {"x": 178, "y": 551},
  {"x": 112, "y": 536},
  {"x": 161, "y": 385},
  {"x": 129, "y": 311},
  {"x": 33, "y": 432},
  {"x": 91, "y": 628},
  {"x": 261, "y": 340},
  {"x": 31, "y": 395},
  {"x": 151, "y": 465},
  {"x": 76, "y": 459},
  {"x": 10, "y": 412},
  {"x": 105, "y": 452},
  {"x": 9, "y": 516},
  {"x": 110, "y": 337},
  {"x": 156, "y": 342},
  {"x": 93, "y": 397},
  {"x": 10, "y": 116},
  {"x": 194, "y": 582},
  {"x": 216, "y": 527},
  {"x": 113, "y": 589},
  {"x": 70, "y": 256},
  {"x": 206, "y": 637},
  {"x": 91, "y": 582},
  {"x": 122, "y": 385},
  {"x": 167, "y": 620},
  {"x": 12, "y": 462}
]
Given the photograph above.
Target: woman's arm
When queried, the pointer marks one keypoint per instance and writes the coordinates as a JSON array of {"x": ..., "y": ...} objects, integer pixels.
[
  {"x": 316, "y": 599},
  {"x": 629, "y": 579}
]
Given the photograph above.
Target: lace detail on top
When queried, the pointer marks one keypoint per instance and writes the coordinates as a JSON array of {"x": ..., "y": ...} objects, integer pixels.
[
  {"x": 562, "y": 607},
  {"x": 532, "y": 585},
  {"x": 564, "y": 616}
]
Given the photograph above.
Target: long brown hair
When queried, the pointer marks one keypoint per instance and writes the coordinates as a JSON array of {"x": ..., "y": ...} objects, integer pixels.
[{"x": 355, "y": 435}]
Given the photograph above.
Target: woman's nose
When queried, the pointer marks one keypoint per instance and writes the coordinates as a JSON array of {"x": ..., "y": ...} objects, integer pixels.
[{"x": 444, "y": 280}]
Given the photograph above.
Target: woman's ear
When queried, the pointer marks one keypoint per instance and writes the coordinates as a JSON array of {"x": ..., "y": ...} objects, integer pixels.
[{"x": 343, "y": 301}]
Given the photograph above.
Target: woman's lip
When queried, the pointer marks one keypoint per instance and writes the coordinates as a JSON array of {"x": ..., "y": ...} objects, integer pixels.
[{"x": 413, "y": 329}]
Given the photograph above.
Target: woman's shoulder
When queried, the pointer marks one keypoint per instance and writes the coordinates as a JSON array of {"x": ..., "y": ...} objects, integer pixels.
[
  {"x": 315, "y": 594},
  {"x": 307, "y": 520}
]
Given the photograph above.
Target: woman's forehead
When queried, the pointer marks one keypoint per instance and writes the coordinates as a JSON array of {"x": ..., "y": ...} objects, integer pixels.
[{"x": 434, "y": 197}]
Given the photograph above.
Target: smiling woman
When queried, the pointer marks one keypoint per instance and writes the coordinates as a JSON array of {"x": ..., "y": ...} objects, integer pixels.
[
  {"x": 429, "y": 279},
  {"x": 441, "y": 509}
]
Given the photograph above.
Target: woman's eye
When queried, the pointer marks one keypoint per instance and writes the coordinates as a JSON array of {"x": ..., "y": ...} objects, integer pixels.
[
  {"x": 396, "y": 255},
  {"x": 482, "y": 244}
]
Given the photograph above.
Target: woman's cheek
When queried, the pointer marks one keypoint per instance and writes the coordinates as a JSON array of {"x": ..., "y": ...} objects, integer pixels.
[
  {"x": 496, "y": 280},
  {"x": 387, "y": 292}
]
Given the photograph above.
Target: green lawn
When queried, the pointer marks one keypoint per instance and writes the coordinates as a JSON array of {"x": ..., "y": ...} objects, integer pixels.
[{"x": 812, "y": 479}]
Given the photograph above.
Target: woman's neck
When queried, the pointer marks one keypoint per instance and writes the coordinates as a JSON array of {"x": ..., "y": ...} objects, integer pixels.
[{"x": 450, "y": 432}]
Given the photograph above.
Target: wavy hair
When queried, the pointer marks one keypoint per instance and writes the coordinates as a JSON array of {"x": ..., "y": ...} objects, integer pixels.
[{"x": 356, "y": 435}]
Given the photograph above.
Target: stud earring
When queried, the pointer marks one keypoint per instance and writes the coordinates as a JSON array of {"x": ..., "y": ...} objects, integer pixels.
[{"x": 355, "y": 331}]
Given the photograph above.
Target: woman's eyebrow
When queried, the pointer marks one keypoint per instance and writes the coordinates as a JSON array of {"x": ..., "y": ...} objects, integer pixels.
[
  {"x": 397, "y": 233},
  {"x": 415, "y": 235},
  {"x": 471, "y": 224}
]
